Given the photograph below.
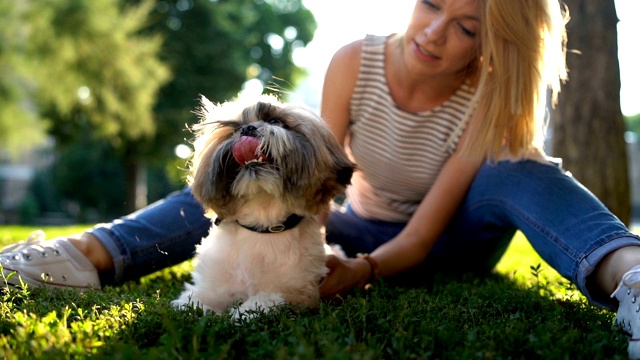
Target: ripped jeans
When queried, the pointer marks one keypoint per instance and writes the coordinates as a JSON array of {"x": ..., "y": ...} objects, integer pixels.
[{"x": 568, "y": 227}]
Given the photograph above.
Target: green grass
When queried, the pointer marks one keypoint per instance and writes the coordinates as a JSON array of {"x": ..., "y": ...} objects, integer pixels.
[{"x": 523, "y": 311}]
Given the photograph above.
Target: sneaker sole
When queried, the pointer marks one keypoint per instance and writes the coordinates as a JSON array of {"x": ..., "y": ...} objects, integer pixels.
[{"x": 12, "y": 279}]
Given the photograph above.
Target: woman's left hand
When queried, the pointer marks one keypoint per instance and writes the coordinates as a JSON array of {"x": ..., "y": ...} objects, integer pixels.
[{"x": 344, "y": 275}]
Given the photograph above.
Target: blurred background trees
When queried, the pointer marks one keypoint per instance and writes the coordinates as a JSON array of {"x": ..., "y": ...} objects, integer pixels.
[
  {"x": 109, "y": 85},
  {"x": 113, "y": 83}
]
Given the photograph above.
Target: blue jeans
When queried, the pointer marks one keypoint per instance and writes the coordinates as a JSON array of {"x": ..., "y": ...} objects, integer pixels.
[
  {"x": 570, "y": 228},
  {"x": 160, "y": 235}
]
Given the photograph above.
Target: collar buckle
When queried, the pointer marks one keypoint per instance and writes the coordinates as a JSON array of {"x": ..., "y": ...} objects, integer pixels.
[{"x": 276, "y": 228}]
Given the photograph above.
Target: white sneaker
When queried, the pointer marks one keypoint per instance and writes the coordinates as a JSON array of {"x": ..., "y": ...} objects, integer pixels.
[
  {"x": 628, "y": 317},
  {"x": 54, "y": 263}
]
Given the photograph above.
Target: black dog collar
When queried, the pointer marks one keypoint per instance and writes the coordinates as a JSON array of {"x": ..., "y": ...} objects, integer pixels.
[{"x": 292, "y": 221}]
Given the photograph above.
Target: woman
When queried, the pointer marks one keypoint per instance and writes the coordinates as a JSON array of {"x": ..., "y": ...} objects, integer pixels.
[
  {"x": 434, "y": 196},
  {"x": 443, "y": 123}
]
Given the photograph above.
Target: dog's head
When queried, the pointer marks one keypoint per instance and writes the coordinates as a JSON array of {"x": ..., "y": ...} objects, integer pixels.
[{"x": 265, "y": 150}]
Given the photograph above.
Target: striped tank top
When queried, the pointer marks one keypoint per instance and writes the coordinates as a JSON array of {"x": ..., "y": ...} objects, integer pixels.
[{"x": 398, "y": 153}]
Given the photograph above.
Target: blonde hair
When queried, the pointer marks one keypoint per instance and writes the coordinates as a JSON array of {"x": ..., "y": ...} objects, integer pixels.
[{"x": 522, "y": 56}]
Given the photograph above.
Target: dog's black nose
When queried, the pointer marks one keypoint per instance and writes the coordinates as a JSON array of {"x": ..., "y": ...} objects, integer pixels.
[{"x": 249, "y": 130}]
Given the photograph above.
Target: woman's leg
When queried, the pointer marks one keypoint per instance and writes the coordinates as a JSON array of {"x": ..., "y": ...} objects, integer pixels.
[
  {"x": 162, "y": 234},
  {"x": 568, "y": 226},
  {"x": 571, "y": 229}
]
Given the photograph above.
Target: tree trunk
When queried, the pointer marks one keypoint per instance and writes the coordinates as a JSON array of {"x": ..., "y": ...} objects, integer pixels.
[
  {"x": 588, "y": 127},
  {"x": 136, "y": 183}
]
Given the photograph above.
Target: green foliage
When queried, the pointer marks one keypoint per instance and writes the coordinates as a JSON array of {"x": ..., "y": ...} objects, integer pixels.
[
  {"x": 81, "y": 332},
  {"x": 213, "y": 47},
  {"x": 127, "y": 74},
  {"x": 29, "y": 210},
  {"x": 94, "y": 163},
  {"x": 520, "y": 312},
  {"x": 20, "y": 127},
  {"x": 633, "y": 123},
  {"x": 91, "y": 65}
]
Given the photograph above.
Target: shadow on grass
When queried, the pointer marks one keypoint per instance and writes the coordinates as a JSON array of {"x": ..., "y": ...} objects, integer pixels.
[
  {"x": 509, "y": 314},
  {"x": 454, "y": 318}
]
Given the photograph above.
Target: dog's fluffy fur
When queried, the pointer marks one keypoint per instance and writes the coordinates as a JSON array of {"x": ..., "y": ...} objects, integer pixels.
[{"x": 297, "y": 168}]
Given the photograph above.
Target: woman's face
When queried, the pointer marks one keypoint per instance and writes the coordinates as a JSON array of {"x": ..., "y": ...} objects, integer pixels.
[{"x": 442, "y": 37}]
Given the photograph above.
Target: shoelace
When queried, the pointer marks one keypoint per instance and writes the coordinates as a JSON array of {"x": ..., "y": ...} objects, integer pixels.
[
  {"x": 626, "y": 278},
  {"x": 35, "y": 238},
  {"x": 630, "y": 280}
]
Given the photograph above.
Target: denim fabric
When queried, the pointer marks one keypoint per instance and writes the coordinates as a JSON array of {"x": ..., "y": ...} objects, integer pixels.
[
  {"x": 568, "y": 226},
  {"x": 564, "y": 222},
  {"x": 160, "y": 235}
]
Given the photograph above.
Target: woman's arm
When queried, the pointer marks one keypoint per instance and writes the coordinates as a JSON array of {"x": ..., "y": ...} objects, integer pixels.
[
  {"x": 414, "y": 243},
  {"x": 339, "y": 83},
  {"x": 436, "y": 210}
]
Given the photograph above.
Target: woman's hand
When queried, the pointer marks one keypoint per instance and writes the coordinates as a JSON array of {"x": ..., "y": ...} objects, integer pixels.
[{"x": 344, "y": 275}]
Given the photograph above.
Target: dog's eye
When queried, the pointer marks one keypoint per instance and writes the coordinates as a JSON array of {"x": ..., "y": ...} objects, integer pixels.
[
  {"x": 273, "y": 121},
  {"x": 276, "y": 122}
]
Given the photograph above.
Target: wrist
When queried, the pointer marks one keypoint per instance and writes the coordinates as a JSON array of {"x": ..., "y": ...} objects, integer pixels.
[{"x": 372, "y": 264}]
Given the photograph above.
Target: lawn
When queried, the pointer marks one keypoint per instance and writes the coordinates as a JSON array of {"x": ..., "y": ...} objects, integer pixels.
[{"x": 522, "y": 311}]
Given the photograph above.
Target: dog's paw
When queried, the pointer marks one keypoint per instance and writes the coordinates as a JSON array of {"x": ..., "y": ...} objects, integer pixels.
[
  {"x": 239, "y": 315},
  {"x": 185, "y": 301},
  {"x": 181, "y": 305},
  {"x": 256, "y": 304}
]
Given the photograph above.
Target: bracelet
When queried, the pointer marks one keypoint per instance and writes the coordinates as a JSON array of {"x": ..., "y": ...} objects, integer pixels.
[{"x": 374, "y": 270}]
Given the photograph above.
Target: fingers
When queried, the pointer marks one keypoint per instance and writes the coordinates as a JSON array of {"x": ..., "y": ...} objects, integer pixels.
[{"x": 330, "y": 287}]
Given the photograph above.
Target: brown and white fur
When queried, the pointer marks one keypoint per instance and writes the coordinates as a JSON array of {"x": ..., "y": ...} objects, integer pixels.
[{"x": 297, "y": 168}]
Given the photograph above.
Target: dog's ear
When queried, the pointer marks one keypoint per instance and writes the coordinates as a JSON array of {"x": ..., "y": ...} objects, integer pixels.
[
  {"x": 212, "y": 180},
  {"x": 342, "y": 167},
  {"x": 213, "y": 168}
]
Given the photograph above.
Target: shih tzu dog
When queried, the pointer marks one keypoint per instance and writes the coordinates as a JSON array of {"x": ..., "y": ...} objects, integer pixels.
[{"x": 266, "y": 169}]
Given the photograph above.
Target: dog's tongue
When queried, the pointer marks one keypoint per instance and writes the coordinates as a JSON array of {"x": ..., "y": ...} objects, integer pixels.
[{"x": 246, "y": 149}]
